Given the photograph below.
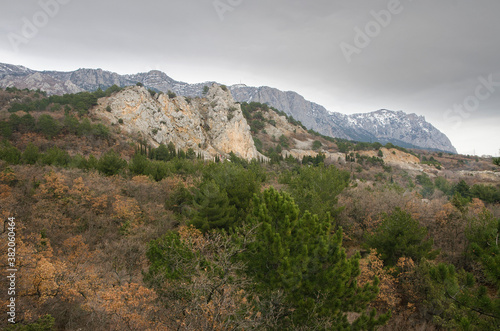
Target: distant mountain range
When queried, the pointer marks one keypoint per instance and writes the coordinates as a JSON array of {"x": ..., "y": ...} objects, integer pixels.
[{"x": 397, "y": 127}]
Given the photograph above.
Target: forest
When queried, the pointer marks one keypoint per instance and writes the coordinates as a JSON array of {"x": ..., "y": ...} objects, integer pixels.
[{"x": 115, "y": 234}]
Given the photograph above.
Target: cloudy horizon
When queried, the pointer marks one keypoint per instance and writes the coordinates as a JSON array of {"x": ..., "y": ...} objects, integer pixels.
[{"x": 438, "y": 60}]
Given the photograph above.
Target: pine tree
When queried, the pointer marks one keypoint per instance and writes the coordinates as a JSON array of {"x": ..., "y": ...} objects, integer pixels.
[
  {"x": 30, "y": 154},
  {"x": 316, "y": 189},
  {"x": 400, "y": 235},
  {"x": 138, "y": 164},
  {"x": 111, "y": 163},
  {"x": 301, "y": 258},
  {"x": 212, "y": 209}
]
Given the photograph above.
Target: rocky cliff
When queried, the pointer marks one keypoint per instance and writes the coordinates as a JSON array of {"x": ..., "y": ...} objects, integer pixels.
[{"x": 212, "y": 126}]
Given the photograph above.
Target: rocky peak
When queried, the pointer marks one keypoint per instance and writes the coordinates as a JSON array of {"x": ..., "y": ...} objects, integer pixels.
[{"x": 211, "y": 126}]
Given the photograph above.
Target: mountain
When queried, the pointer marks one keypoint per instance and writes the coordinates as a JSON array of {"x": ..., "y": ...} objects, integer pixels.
[{"x": 399, "y": 128}]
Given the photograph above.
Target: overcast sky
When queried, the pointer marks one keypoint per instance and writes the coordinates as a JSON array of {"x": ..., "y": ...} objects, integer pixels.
[{"x": 440, "y": 59}]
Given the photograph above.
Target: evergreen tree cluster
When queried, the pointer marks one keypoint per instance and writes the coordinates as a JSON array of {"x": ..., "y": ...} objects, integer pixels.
[
  {"x": 50, "y": 127},
  {"x": 79, "y": 102}
]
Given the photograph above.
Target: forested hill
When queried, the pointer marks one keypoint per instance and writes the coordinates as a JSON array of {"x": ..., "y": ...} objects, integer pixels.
[{"x": 114, "y": 232}]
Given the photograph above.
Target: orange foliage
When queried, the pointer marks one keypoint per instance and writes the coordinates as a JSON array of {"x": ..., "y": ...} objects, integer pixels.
[
  {"x": 127, "y": 210},
  {"x": 130, "y": 306},
  {"x": 5, "y": 191},
  {"x": 7, "y": 176},
  {"x": 141, "y": 179},
  {"x": 54, "y": 186},
  {"x": 81, "y": 193},
  {"x": 193, "y": 237},
  {"x": 446, "y": 214},
  {"x": 373, "y": 266},
  {"x": 476, "y": 207},
  {"x": 79, "y": 190},
  {"x": 407, "y": 280},
  {"x": 6, "y": 201}
]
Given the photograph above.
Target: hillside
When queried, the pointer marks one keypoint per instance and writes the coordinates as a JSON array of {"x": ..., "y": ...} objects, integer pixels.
[
  {"x": 399, "y": 128},
  {"x": 125, "y": 222}
]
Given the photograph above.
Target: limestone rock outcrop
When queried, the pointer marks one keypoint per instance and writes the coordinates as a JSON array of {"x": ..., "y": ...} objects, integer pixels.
[{"x": 213, "y": 125}]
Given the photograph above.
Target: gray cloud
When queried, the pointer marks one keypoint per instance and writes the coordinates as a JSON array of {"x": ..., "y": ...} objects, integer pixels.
[{"x": 426, "y": 60}]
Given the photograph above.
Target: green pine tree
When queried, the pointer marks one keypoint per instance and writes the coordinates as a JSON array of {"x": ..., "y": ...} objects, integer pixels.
[
  {"x": 400, "y": 235},
  {"x": 111, "y": 163},
  {"x": 212, "y": 209},
  {"x": 301, "y": 258}
]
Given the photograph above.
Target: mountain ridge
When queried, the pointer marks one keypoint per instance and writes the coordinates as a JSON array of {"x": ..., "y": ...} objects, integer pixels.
[{"x": 397, "y": 127}]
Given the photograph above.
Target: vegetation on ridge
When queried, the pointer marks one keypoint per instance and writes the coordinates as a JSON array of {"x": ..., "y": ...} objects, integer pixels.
[{"x": 115, "y": 234}]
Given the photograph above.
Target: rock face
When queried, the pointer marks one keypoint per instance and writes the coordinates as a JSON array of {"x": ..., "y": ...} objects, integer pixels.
[
  {"x": 399, "y": 128},
  {"x": 211, "y": 126}
]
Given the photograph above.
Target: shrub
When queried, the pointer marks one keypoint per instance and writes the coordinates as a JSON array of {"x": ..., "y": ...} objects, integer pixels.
[
  {"x": 111, "y": 163},
  {"x": 71, "y": 124},
  {"x": 100, "y": 130},
  {"x": 5, "y": 129},
  {"x": 56, "y": 156},
  {"x": 30, "y": 154},
  {"x": 400, "y": 235},
  {"x": 10, "y": 153},
  {"x": 48, "y": 126}
]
